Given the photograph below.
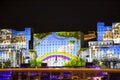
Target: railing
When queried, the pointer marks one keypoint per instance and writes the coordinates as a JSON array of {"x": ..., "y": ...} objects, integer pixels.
[{"x": 38, "y": 72}]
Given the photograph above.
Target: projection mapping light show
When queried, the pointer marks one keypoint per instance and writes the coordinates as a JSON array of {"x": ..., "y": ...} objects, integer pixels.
[
  {"x": 13, "y": 46},
  {"x": 109, "y": 32},
  {"x": 107, "y": 50},
  {"x": 56, "y": 48}
]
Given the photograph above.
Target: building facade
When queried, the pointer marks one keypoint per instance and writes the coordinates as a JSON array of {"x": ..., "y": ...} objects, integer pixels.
[
  {"x": 14, "y": 45},
  {"x": 107, "y": 44},
  {"x": 56, "y": 48}
]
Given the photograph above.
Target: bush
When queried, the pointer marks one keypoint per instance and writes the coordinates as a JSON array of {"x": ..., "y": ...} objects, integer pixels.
[
  {"x": 34, "y": 63},
  {"x": 38, "y": 63},
  {"x": 75, "y": 62}
]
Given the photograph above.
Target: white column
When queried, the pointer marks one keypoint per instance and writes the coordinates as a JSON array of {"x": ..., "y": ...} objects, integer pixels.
[
  {"x": 14, "y": 58},
  {"x": 5, "y": 56},
  {"x": 2, "y": 57},
  {"x": 20, "y": 56},
  {"x": 90, "y": 55}
]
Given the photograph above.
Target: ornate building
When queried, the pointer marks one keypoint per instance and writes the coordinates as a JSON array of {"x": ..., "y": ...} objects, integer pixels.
[
  {"x": 13, "y": 45},
  {"x": 108, "y": 42}
]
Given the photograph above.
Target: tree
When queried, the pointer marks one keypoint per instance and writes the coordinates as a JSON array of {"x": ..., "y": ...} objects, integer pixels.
[
  {"x": 40, "y": 36},
  {"x": 33, "y": 52},
  {"x": 36, "y": 44},
  {"x": 72, "y": 41},
  {"x": 69, "y": 34},
  {"x": 35, "y": 63},
  {"x": 75, "y": 62},
  {"x": 80, "y": 50}
]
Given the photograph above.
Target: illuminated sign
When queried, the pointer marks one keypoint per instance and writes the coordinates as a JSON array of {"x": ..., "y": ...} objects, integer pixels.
[
  {"x": 12, "y": 46},
  {"x": 90, "y": 35},
  {"x": 101, "y": 43}
]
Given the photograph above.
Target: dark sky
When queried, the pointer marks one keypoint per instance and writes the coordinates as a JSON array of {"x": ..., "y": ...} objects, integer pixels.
[{"x": 58, "y": 15}]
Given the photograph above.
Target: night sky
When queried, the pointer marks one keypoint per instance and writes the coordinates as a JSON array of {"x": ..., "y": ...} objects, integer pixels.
[{"x": 58, "y": 15}]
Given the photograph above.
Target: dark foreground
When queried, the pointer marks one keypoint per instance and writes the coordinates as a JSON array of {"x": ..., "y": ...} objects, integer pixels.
[{"x": 59, "y": 74}]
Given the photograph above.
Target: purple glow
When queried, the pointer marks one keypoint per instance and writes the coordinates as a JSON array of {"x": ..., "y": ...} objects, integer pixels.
[{"x": 59, "y": 56}]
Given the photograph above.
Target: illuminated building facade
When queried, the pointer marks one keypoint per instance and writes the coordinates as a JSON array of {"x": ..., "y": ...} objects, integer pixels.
[
  {"x": 53, "y": 48},
  {"x": 56, "y": 48},
  {"x": 14, "y": 45},
  {"x": 107, "y": 44}
]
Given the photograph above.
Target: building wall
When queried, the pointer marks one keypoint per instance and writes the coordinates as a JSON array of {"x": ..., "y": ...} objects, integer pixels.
[
  {"x": 66, "y": 43},
  {"x": 14, "y": 44},
  {"x": 103, "y": 30}
]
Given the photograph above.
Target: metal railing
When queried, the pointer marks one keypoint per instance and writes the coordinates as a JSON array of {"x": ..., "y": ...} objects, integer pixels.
[{"x": 58, "y": 73}]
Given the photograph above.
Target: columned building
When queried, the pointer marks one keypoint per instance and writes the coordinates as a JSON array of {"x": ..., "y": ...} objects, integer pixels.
[
  {"x": 107, "y": 44},
  {"x": 14, "y": 45}
]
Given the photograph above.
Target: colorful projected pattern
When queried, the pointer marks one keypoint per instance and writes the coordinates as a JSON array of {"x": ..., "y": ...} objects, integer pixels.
[
  {"x": 13, "y": 36},
  {"x": 109, "y": 33},
  {"x": 108, "y": 53},
  {"x": 12, "y": 44},
  {"x": 55, "y": 48},
  {"x": 55, "y": 54}
]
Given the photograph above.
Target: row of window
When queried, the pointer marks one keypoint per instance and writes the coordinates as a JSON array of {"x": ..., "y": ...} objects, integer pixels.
[{"x": 101, "y": 43}]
